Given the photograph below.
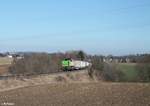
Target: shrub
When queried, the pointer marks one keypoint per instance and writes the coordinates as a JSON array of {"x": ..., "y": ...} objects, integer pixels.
[
  {"x": 143, "y": 68},
  {"x": 60, "y": 79},
  {"x": 39, "y": 63},
  {"x": 112, "y": 73},
  {"x": 105, "y": 71},
  {"x": 143, "y": 72},
  {"x": 70, "y": 76},
  {"x": 97, "y": 67},
  {"x": 97, "y": 63}
]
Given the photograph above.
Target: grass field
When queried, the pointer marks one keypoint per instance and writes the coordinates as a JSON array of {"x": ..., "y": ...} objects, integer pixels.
[
  {"x": 129, "y": 70},
  {"x": 5, "y": 60}
]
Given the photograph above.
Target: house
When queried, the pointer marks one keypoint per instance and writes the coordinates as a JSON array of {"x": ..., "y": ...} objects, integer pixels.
[{"x": 9, "y": 56}]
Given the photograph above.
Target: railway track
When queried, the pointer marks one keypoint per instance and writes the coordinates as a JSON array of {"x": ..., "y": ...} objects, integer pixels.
[{"x": 57, "y": 73}]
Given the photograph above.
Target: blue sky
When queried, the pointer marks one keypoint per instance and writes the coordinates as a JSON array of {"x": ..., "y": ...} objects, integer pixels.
[{"x": 115, "y": 27}]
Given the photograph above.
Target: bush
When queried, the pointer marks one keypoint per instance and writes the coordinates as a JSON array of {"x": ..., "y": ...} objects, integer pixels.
[
  {"x": 143, "y": 68},
  {"x": 97, "y": 66},
  {"x": 105, "y": 71},
  {"x": 112, "y": 73},
  {"x": 60, "y": 79},
  {"x": 143, "y": 72},
  {"x": 97, "y": 63},
  {"x": 39, "y": 63}
]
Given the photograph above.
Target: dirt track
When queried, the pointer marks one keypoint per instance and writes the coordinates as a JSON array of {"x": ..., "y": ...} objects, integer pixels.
[{"x": 79, "y": 94}]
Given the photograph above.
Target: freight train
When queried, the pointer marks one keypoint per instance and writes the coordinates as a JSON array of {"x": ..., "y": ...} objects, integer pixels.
[{"x": 70, "y": 64}]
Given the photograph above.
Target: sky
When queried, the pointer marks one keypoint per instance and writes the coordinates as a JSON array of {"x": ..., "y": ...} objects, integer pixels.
[{"x": 117, "y": 27}]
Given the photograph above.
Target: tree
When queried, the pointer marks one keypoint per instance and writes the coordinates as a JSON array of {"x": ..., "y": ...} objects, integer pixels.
[{"x": 81, "y": 55}]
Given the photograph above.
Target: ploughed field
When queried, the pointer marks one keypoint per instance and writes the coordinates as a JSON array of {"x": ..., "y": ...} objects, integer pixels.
[
  {"x": 5, "y": 62},
  {"x": 79, "y": 94}
]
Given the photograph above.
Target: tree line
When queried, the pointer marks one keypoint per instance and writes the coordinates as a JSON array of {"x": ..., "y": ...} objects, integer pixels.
[{"x": 46, "y": 63}]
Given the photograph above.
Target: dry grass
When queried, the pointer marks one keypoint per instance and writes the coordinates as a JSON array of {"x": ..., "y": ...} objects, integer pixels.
[
  {"x": 4, "y": 64},
  {"x": 13, "y": 83},
  {"x": 80, "y": 94},
  {"x": 5, "y": 60}
]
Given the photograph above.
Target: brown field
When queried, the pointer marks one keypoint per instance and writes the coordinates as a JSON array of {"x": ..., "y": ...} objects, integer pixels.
[
  {"x": 4, "y": 69},
  {"x": 79, "y": 94}
]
